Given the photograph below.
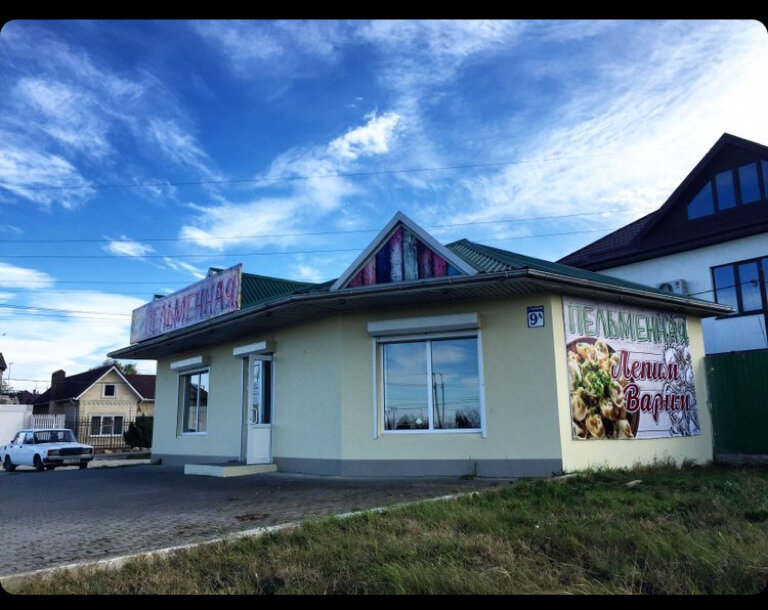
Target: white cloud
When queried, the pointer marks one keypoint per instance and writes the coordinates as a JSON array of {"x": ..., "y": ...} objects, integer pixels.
[
  {"x": 35, "y": 175},
  {"x": 273, "y": 47},
  {"x": 184, "y": 267},
  {"x": 181, "y": 147},
  {"x": 68, "y": 114},
  {"x": 40, "y": 344},
  {"x": 373, "y": 138},
  {"x": 309, "y": 273},
  {"x": 315, "y": 191},
  {"x": 21, "y": 277},
  {"x": 125, "y": 246}
]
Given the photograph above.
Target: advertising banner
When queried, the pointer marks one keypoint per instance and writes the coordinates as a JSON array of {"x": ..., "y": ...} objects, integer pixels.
[
  {"x": 213, "y": 296},
  {"x": 629, "y": 372}
]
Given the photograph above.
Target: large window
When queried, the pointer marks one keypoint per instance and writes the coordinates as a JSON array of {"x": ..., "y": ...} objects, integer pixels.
[
  {"x": 193, "y": 394},
  {"x": 431, "y": 385},
  {"x": 107, "y": 425},
  {"x": 742, "y": 285},
  {"x": 743, "y": 185}
]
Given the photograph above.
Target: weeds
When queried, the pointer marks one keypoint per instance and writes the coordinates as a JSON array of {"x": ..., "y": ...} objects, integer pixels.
[{"x": 688, "y": 530}]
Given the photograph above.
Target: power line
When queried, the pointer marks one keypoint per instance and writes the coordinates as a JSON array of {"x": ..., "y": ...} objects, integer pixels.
[
  {"x": 302, "y": 177},
  {"x": 53, "y": 309},
  {"x": 270, "y": 253},
  {"x": 299, "y": 234}
]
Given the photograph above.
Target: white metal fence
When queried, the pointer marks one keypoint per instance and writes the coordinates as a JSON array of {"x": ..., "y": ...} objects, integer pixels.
[{"x": 48, "y": 421}]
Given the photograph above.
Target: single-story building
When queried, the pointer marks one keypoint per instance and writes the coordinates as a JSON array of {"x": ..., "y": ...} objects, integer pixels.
[{"x": 427, "y": 359}]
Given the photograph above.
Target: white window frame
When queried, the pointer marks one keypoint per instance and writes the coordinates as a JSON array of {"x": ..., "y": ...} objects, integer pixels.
[
  {"x": 379, "y": 428},
  {"x": 101, "y": 425},
  {"x": 104, "y": 390},
  {"x": 182, "y": 406}
]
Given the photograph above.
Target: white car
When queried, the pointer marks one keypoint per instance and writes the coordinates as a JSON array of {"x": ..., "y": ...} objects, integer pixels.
[{"x": 45, "y": 449}]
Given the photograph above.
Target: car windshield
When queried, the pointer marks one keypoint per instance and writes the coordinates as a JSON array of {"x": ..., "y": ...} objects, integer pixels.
[{"x": 54, "y": 436}]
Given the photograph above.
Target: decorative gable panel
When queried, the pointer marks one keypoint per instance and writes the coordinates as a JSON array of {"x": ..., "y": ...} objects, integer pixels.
[
  {"x": 402, "y": 252},
  {"x": 404, "y": 257}
]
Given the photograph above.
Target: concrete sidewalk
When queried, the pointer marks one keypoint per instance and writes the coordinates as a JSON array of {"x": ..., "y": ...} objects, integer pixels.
[{"x": 69, "y": 515}]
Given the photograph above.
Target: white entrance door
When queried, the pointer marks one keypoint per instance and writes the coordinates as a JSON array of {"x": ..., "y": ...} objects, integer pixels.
[{"x": 259, "y": 419}]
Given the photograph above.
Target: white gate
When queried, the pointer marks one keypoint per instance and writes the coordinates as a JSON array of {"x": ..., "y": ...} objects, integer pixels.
[{"x": 48, "y": 421}]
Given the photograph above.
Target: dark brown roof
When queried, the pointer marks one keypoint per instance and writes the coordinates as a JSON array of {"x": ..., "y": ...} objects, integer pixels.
[
  {"x": 74, "y": 385},
  {"x": 619, "y": 240},
  {"x": 143, "y": 384},
  {"x": 668, "y": 230},
  {"x": 2, "y": 362}
]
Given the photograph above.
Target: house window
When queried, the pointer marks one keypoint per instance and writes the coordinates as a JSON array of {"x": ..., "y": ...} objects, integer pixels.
[
  {"x": 109, "y": 390},
  {"x": 750, "y": 186},
  {"x": 702, "y": 204},
  {"x": 728, "y": 195},
  {"x": 193, "y": 396},
  {"x": 431, "y": 385},
  {"x": 107, "y": 425},
  {"x": 742, "y": 285}
]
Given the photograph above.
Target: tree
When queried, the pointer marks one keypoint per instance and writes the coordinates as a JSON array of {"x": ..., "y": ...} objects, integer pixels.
[{"x": 125, "y": 369}]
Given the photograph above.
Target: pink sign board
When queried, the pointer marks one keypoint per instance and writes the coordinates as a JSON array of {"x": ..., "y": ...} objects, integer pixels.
[{"x": 214, "y": 296}]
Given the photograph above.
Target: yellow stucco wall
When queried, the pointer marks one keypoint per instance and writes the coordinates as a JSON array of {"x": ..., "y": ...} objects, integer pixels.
[
  {"x": 93, "y": 401},
  {"x": 323, "y": 393},
  {"x": 580, "y": 454},
  {"x": 520, "y": 395},
  {"x": 324, "y": 404}
]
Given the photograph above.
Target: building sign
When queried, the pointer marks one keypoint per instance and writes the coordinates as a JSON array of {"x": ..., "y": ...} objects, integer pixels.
[
  {"x": 214, "y": 296},
  {"x": 535, "y": 316},
  {"x": 629, "y": 372}
]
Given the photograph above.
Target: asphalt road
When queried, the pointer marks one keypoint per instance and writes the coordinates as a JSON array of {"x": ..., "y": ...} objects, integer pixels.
[{"x": 69, "y": 515}]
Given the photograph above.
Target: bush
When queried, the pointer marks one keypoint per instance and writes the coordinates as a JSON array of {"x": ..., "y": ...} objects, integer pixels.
[{"x": 139, "y": 433}]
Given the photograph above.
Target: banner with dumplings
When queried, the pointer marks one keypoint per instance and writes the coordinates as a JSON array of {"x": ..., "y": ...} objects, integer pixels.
[{"x": 629, "y": 372}]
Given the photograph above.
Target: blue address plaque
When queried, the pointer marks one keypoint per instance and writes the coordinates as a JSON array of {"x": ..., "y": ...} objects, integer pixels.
[{"x": 536, "y": 316}]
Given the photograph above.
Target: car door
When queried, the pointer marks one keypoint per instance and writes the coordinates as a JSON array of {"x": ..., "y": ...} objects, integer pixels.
[
  {"x": 14, "y": 449},
  {"x": 26, "y": 450}
]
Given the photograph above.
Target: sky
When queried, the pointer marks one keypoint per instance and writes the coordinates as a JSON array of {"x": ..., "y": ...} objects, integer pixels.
[{"x": 134, "y": 155}]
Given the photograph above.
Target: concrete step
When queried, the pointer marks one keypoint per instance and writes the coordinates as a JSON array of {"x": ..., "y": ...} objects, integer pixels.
[{"x": 228, "y": 470}]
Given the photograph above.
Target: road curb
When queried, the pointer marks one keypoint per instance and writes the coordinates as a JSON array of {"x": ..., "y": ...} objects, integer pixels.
[{"x": 117, "y": 562}]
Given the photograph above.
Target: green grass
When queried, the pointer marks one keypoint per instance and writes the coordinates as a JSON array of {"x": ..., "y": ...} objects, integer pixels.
[{"x": 695, "y": 530}]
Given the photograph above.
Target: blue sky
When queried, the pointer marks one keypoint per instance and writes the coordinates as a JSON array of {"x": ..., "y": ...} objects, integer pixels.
[{"x": 136, "y": 154}]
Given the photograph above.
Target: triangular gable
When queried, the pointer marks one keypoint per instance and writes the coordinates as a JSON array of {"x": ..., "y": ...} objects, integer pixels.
[
  {"x": 100, "y": 377},
  {"x": 702, "y": 168},
  {"x": 402, "y": 252}
]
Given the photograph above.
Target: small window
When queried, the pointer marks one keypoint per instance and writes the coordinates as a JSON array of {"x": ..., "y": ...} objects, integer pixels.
[
  {"x": 193, "y": 396},
  {"x": 726, "y": 195},
  {"x": 702, "y": 204},
  {"x": 749, "y": 280},
  {"x": 765, "y": 178},
  {"x": 109, "y": 390},
  {"x": 741, "y": 285},
  {"x": 725, "y": 286},
  {"x": 750, "y": 187},
  {"x": 107, "y": 425}
]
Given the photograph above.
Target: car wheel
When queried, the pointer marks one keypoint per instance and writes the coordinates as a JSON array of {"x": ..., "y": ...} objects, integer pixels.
[
  {"x": 8, "y": 465},
  {"x": 83, "y": 465},
  {"x": 38, "y": 463}
]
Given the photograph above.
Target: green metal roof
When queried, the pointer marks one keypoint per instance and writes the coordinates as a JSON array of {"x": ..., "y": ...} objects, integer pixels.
[
  {"x": 490, "y": 260},
  {"x": 257, "y": 289}
]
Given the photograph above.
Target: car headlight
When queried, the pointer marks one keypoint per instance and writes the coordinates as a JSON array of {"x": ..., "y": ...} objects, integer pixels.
[
  {"x": 54, "y": 452},
  {"x": 88, "y": 450}
]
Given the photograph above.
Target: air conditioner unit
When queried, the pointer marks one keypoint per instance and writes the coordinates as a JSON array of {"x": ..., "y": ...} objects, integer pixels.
[{"x": 674, "y": 287}]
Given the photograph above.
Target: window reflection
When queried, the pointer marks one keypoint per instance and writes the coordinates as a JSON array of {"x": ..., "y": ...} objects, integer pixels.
[
  {"x": 750, "y": 187},
  {"x": 726, "y": 196},
  {"x": 443, "y": 373},
  {"x": 702, "y": 204}
]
